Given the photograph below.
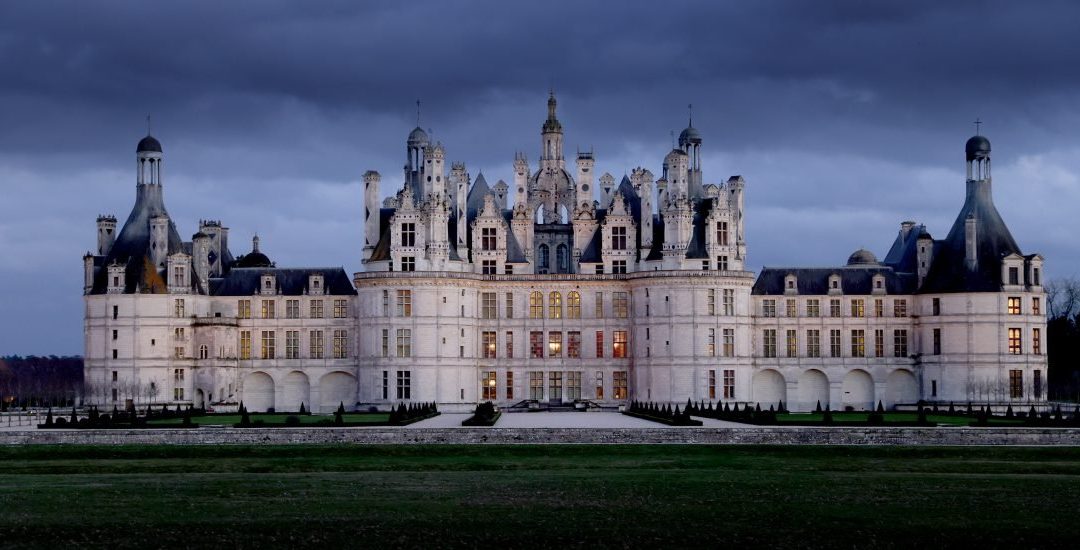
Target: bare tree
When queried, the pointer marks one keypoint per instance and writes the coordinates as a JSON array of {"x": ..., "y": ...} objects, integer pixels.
[{"x": 1062, "y": 297}]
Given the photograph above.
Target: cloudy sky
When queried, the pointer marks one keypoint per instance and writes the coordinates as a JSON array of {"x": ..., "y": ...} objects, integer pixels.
[{"x": 845, "y": 118}]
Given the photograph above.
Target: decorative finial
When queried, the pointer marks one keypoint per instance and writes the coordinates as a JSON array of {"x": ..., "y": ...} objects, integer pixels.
[
  {"x": 977, "y": 124},
  {"x": 417, "y": 113},
  {"x": 690, "y": 108},
  {"x": 147, "y": 123},
  {"x": 255, "y": 243},
  {"x": 673, "y": 139}
]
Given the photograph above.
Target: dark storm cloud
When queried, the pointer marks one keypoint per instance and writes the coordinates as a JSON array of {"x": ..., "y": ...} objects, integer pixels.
[{"x": 841, "y": 115}]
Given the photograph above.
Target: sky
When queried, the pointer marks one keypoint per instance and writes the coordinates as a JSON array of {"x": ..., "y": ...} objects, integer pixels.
[{"x": 845, "y": 118}]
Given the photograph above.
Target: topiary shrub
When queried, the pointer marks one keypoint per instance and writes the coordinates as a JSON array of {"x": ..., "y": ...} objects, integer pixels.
[
  {"x": 245, "y": 418},
  {"x": 292, "y": 420},
  {"x": 302, "y": 409}
]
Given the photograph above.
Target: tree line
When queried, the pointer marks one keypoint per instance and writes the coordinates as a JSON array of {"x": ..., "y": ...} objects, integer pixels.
[
  {"x": 1063, "y": 338},
  {"x": 40, "y": 381}
]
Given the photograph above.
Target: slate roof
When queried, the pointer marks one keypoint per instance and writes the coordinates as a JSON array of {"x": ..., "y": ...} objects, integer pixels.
[
  {"x": 245, "y": 281},
  {"x": 132, "y": 246},
  {"x": 815, "y": 280},
  {"x": 948, "y": 272}
]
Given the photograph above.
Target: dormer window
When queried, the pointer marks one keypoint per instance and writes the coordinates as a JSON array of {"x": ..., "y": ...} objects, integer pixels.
[
  {"x": 1014, "y": 275},
  {"x": 315, "y": 284},
  {"x": 268, "y": 284}
]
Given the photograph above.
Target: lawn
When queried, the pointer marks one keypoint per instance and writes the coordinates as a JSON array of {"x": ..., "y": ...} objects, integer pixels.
[
  {"x": 539, "y": 496},
  {"x": 233, "y": 419}
]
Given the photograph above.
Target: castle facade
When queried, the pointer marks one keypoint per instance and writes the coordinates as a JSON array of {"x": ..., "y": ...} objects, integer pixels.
[{"x": 561, "y": 288}]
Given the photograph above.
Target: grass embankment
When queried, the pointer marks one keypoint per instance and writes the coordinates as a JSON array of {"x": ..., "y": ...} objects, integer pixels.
[{"x": 548, "y": 496}]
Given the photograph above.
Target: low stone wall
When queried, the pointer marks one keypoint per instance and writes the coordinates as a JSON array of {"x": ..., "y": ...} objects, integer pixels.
[{"x": 724, "y": 436}]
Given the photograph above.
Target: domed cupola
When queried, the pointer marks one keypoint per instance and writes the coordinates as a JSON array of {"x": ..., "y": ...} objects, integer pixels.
[
  {"x": 254, "y": 258},
  {"x": 689, "y": 136},
  {"x": 977, "y": 153},
  {"x": 977, "y": 147},
  {"x": 148, "y": 144},
  {"x": 862, "y": 257},
  {"x": 418, "y": 137}
]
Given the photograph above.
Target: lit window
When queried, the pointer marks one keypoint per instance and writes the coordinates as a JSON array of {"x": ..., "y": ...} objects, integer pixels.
[
  {"x": 488, "y": 344},
  {"x": 536, "y": 305},
  {"x": 1014, "y": 305},
  {"x": 536, "y": 344},
  {"x": 573, "y": 305},
  {"x": 573, "y": 344},
  {"x": 618, "y": 384},
  {"x": 1036, "y": 341},
  {"x": 245, "y": 344},
  {"x": 268, "y": 309},
  {"x": 489, "y": 385},
  {"x": 792, "y": 344},
  {"x": 243, "y": 309},
  {"x": 1015, "y": 341},
  {"x": 555, "y": 305},
  {"x": 554, "y": 344},
  {"x": 618, "y": 346},
  {"x": 857, "y": 307}
]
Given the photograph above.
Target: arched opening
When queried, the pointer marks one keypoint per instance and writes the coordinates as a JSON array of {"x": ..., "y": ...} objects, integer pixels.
[
  {"x": 901, "y": 387},
  {"x": 542, "y": 260},
  {"x": 769, "y": 388},
  {"x": 200, "y": 399},
  {"x": 258, "y": 395},
  {"x": 562, "y": 260},
  {"x": 813, "y": 388},
  {"x": 295, "y": 390},
  {"x": 335, "y": 389},
  {"x": 858, "y": 391}
]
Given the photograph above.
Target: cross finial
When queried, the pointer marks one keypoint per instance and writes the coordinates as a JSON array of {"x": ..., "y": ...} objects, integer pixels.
[
  {"x": 977, "y": 124},
  {"x": 690, "y": 108},
  {"x": 417, "y": 113},
  {"x": 147, "y": 123}
]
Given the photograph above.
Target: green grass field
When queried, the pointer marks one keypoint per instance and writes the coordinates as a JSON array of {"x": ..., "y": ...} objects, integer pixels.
[
  {"x": 539, "y": 496},
  {"x": 908, "y": 417}
]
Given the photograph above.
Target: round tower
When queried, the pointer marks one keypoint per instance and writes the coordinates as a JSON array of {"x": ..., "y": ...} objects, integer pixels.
[{"x": 148, "y": 159}]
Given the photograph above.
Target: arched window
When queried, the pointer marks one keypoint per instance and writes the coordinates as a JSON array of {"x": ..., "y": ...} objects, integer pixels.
[
  {"x": 555, "y": 305},
  {"x": 573, "y": 305},
  {"x": 542, "y": 261},
  {"x": 536, "y": 305},
  {"x": 561, "y": 259}
]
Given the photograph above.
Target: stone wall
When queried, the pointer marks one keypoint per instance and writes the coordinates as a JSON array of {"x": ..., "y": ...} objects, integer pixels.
[{"x": 725, "y": 436}]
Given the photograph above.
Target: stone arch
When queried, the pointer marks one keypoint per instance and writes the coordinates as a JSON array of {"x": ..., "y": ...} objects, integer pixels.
[
  {"x": 543, "y": 257},
  {"x": 901, "y": 387},
  {"x": 295, "y": 389},
  {"x": 813, "y": 388},
  {"x": 858, "y": 391},
  {"x": 258, "y": 393},
  {"x": 200, "y": 399},
  {"x": 769, "y": 388},
  {"x": 336, "y": 388}
]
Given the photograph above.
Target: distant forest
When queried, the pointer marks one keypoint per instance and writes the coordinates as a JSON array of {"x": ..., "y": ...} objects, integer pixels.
[{"x": 40, "y": 381}]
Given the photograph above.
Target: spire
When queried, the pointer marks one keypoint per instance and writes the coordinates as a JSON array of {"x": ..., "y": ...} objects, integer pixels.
[
  {"x": 147, "y": 123},
  {"x": 417, "y": 113},
  {"x": 551, "y": 104},
  {"x": 690, "y": 108}
]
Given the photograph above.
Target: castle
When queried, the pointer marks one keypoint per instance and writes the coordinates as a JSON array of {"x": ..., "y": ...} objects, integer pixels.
[{"x": 578, "y": 289}]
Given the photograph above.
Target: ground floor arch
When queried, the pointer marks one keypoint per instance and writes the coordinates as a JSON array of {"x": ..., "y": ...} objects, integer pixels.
[
  {"x": 769, "y": 388},
  {"x": 295, "y": 389},
  {"x": 337, "y": 388},
  {"x": 857, "y": 391},
  {"x": 258, "y": 395},
  {"x": 813, "y": 390},
  {"x": 901, "y": 387}
]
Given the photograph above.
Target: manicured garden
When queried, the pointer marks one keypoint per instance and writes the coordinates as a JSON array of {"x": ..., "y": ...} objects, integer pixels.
[{"x": 650, "y": 496}]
